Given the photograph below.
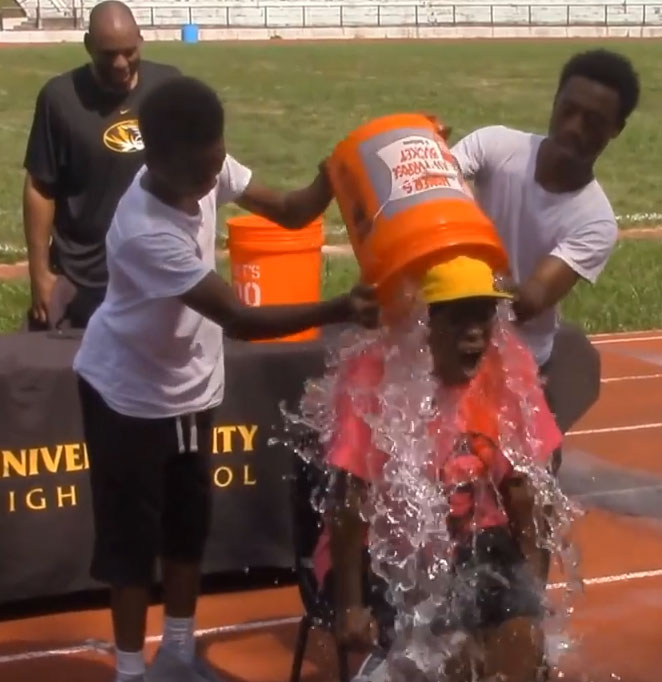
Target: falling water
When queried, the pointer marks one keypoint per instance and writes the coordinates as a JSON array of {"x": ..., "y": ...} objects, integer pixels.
[{"x": 407, "y": 506}]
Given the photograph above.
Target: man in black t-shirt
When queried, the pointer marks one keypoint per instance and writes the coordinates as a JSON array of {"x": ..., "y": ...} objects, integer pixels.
[{"x": 84, "y": 149}]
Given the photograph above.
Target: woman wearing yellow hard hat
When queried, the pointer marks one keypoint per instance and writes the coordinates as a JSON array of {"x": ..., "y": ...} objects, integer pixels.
[{"x": 490, "y": 515}]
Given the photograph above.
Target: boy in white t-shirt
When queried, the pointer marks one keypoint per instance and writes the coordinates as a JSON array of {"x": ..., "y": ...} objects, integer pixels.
[
  {"x": 554, "y": 218},
  {"x": 151, "y": 367}
]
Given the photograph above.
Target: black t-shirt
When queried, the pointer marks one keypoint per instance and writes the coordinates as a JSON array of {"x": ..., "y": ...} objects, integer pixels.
[{"x": 86, "y": 146}]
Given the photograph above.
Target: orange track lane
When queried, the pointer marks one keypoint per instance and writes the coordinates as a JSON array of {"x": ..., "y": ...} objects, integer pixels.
[{"x": 617, "y": 623}]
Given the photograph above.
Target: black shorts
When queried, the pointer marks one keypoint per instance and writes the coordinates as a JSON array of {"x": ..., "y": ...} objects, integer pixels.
[
  {"x": 572, "y": 380},
  {"x": 494, "y": 584},
  {"x": 151, "y": 489}
]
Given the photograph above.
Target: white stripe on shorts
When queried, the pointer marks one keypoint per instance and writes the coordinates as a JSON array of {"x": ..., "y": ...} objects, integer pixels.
[
  {"x": 180, "y": 435},
  {"x": 194, "y": 434}
]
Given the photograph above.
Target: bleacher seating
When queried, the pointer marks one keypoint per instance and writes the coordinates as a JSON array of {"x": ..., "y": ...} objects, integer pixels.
[{"x": 298, "y": 13}]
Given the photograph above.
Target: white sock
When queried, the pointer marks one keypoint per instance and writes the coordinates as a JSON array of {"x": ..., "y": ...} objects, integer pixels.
[
  {"x": 128, "y": 664},
  {"x": 179, "y": 638}
]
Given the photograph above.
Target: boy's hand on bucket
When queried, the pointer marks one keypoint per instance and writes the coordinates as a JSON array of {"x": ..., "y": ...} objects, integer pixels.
[
  {"x": 363, "y": 306},
  {"x": 443, "y": 130}
]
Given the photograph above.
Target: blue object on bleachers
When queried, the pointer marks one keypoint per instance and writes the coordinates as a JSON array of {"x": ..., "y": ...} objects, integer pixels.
[{"x": 190, "y": 33}]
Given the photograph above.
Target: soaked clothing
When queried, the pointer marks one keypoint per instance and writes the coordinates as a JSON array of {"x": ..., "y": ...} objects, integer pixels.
[
  {"x": 504, "y": 588},
  {"x": 467, "y": 457},
  {"x": 504, "y": 584},
  {"x": 470, "y": 467}
]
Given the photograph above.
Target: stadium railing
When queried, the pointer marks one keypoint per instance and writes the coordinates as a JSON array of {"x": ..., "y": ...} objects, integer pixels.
[{"x": 284, "y": 13}]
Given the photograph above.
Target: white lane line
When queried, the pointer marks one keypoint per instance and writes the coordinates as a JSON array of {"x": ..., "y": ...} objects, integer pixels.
[
  {"x": 615, "y": 429},
  {"x": 629, "y": 339},
  {"x": 104, "y": 647},
  {"x": 631, "y": 377},
  {"x": 610, "y": 579},
  {"x": 88, "y": 646},
  {"x": 238, "y": 627},
  {"x": 620, "y": 491},
  {"x": 620, "y": 335}
]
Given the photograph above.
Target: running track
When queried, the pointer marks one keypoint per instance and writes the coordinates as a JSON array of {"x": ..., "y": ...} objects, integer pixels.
[{"x": 613, "y": 464}]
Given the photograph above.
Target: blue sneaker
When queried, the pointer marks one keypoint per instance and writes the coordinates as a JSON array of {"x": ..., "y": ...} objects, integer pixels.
[
  {"x": 168, "y": 668},
  {"x": 205, "y": 671}
]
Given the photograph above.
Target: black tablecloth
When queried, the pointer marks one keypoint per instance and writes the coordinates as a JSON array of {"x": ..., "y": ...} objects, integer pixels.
[{"x": 46, "y": 521}]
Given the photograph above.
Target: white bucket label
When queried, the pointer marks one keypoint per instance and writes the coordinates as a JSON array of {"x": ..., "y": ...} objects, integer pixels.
[
  {"x": 418, "y": 164},
  {"x": 246, "y": 284}
]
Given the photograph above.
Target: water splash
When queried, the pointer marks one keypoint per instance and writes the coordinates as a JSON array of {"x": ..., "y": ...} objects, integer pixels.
[
  {"x": 554, "y": 512},
  {"x": 408, "y": 504}
]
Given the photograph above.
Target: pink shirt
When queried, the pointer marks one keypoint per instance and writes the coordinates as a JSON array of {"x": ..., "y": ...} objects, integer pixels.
[{"x": 484, "y": 466}]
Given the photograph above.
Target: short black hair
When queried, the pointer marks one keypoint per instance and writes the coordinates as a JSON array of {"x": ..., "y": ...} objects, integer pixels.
[
  {"x": 181, "y": 112},
  {"x": 610, "y": 69}
]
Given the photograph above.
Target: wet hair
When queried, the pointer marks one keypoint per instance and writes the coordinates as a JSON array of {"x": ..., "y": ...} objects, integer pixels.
[
  {"x": 613, "y": 70},
  {"x": 180, "y": 113}
]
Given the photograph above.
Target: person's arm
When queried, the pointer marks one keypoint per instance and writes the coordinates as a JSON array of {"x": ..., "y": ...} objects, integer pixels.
[
  {"x": 581, "y": 255},
  {"x": 38, "y": 215},
  {"x": 551, "y": 282},
  {"x": 528, "y": 524},
  {"x": 214, "y": 298},
  {"x": 165, "y": 264},
  {"x": 293, "y": 209},
  {"x": 42, "y": 164},
  {"x": 347, "y": 530},
  {"x": 354, "y": 462},
  {"x": 474, "y": 151}
]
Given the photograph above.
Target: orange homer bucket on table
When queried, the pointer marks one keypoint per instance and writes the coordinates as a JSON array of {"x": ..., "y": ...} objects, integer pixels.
[
  {"x": 405, "y": 204},
  {"x": 272, "y": 265}
]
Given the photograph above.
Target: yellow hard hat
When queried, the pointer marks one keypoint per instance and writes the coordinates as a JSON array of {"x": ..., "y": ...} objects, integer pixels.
[{"x": 458, "y": 278}]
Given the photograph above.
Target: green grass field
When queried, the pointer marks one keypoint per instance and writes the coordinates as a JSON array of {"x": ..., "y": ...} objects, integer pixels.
[
  {"x": 627, "y": 297},
  {"x": 288, "y": 104}
]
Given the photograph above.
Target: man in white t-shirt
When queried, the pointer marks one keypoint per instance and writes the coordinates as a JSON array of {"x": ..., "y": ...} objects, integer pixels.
[
  {"x": 151, "y": 367},
  {"x": 556, "y": 223}
]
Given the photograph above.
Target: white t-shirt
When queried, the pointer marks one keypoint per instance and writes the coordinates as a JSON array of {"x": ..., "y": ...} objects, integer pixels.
[
  {"x": 144, "y": 351},
  {"x": 577, "y": 227}
]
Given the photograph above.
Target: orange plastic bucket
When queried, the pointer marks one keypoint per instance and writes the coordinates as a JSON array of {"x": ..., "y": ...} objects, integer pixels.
[
  {"x": 404, "y": 203},
  {"x": 272, "y": 265}
]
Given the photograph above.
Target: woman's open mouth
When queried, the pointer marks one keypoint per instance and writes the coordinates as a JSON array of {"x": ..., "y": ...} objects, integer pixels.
[{"x": 470, "y": 359}]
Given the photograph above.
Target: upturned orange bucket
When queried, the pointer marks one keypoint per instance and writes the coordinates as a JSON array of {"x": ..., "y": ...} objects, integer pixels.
[
  {"x": 272, "y": 265},
  {"x": 405, "y": 204}
]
